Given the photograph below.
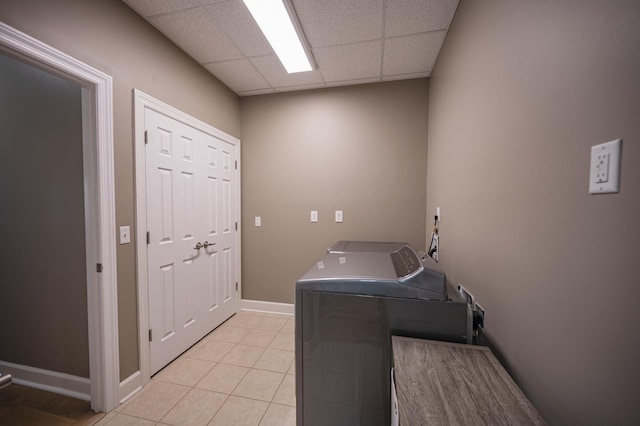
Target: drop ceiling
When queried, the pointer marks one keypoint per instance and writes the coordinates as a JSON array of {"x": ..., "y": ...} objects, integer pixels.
[{"x": 352, "y": 41}]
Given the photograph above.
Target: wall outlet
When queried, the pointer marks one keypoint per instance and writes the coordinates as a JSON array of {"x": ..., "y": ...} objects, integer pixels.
[
  {"x": 604, "y": 176},
  {"x": 258, "y": 221},
  {"x": 314, "y": 216},
  {"x": 338, "y": 216}
]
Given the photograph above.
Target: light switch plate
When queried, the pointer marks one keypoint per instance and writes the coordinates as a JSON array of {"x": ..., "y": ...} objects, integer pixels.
[
  {"x": 125, "y": 235},
  {"x": 604, "y": 176},
  {"x": 258, "y": 221},
  {"x": 338, "y": 216},
  {"x": 314, "y": 216}
]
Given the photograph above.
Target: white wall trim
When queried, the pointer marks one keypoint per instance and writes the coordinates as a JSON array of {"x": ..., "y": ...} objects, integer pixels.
[
  {"x": 97, "y": 100},
  {"x": 142, "y": 101},
  {"x": 268, "y": 307},
  {"x": 130, "y": 386},
  {"x": 50, "y": 381}
]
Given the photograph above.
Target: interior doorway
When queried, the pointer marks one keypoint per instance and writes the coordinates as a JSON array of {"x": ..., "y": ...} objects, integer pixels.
[
  {"x": 94, "y": 89},
  {"x": 42, "y": 199}
]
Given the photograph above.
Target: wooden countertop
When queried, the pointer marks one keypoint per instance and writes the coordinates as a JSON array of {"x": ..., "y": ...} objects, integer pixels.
[{"x": 440, "y": 383}]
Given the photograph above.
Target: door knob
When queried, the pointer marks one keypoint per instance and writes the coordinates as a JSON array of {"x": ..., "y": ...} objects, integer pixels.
[
  {"x": 207, "y": 244},
  {"x": 199, "y": 245}
]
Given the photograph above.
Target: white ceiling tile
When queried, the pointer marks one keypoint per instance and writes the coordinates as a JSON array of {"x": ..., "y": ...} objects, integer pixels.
[
  {"x": 353, "y": 41},
  {"x": 329, "y": 22},
  {"x": 234, "y": 18},
  {"x": 154, "y": 7},
  {"x": 272, "y": 70},
  {"x": 197, "y": 34},
  {"x": 412, "y": 54},
  {"x": 353, "y": 61},
  {"x": 239, "y": 75},
  {"x": 418, "y": 16}
]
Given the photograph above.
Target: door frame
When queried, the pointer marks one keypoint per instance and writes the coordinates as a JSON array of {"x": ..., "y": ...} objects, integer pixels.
[
  {"x": 142, "y": 101},
  {"x": 99, "y": 193}
]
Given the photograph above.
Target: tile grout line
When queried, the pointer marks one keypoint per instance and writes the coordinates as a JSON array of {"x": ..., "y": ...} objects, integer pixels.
[
  {"x": 211, "y": 337},
  {"x": 202, "y": 378}
]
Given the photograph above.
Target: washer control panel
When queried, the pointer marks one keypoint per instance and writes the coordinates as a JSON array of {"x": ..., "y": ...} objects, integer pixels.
[{"x": 406, "y": 262}]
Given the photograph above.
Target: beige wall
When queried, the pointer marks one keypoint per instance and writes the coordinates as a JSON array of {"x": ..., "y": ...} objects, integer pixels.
[
  {"x": 42, "y": 243},
  {"x": 109, "y": 36},
  {"x": 359, "y": 149},
  {"x": 520, "y": 93}
]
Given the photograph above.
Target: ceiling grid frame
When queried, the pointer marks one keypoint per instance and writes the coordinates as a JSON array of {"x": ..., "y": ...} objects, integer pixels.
[{"x": 341, "y": 36}]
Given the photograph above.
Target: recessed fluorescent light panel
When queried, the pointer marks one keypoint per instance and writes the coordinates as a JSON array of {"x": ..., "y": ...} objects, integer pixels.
[{"x": 276, "y": 24}]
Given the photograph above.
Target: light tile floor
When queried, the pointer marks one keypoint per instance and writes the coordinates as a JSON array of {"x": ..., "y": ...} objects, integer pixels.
[{"x": 242, "y": 373}]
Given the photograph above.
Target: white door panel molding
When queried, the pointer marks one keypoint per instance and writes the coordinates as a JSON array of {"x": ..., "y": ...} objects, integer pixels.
[{"x": 188, "y": 244}]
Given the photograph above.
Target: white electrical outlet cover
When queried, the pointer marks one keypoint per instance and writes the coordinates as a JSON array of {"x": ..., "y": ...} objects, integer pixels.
[
  {"x": 604, "y": 175},
  {"x": 338, "y": 216},
  {"x": 125, "y": 235},
  {"x": 314, "y": 216},
  {"x": 258, "y": 221}
]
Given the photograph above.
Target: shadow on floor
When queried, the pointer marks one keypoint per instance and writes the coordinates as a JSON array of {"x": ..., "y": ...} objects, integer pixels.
[{"x": 20, "y": 405}]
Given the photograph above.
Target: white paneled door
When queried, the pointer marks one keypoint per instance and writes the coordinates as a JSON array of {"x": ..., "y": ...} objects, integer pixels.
[{"x": 192, "y": 247}]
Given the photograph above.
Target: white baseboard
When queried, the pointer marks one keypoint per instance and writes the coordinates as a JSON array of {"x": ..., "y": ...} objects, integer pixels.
[
  {"x": 268, "y": 307},
  {"x": 130, "y": 386},
  {"x": 47, "y": 380}
]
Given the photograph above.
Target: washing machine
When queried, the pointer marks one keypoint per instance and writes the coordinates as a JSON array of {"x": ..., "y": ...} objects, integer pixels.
[{"x": 347, "y": 307}]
